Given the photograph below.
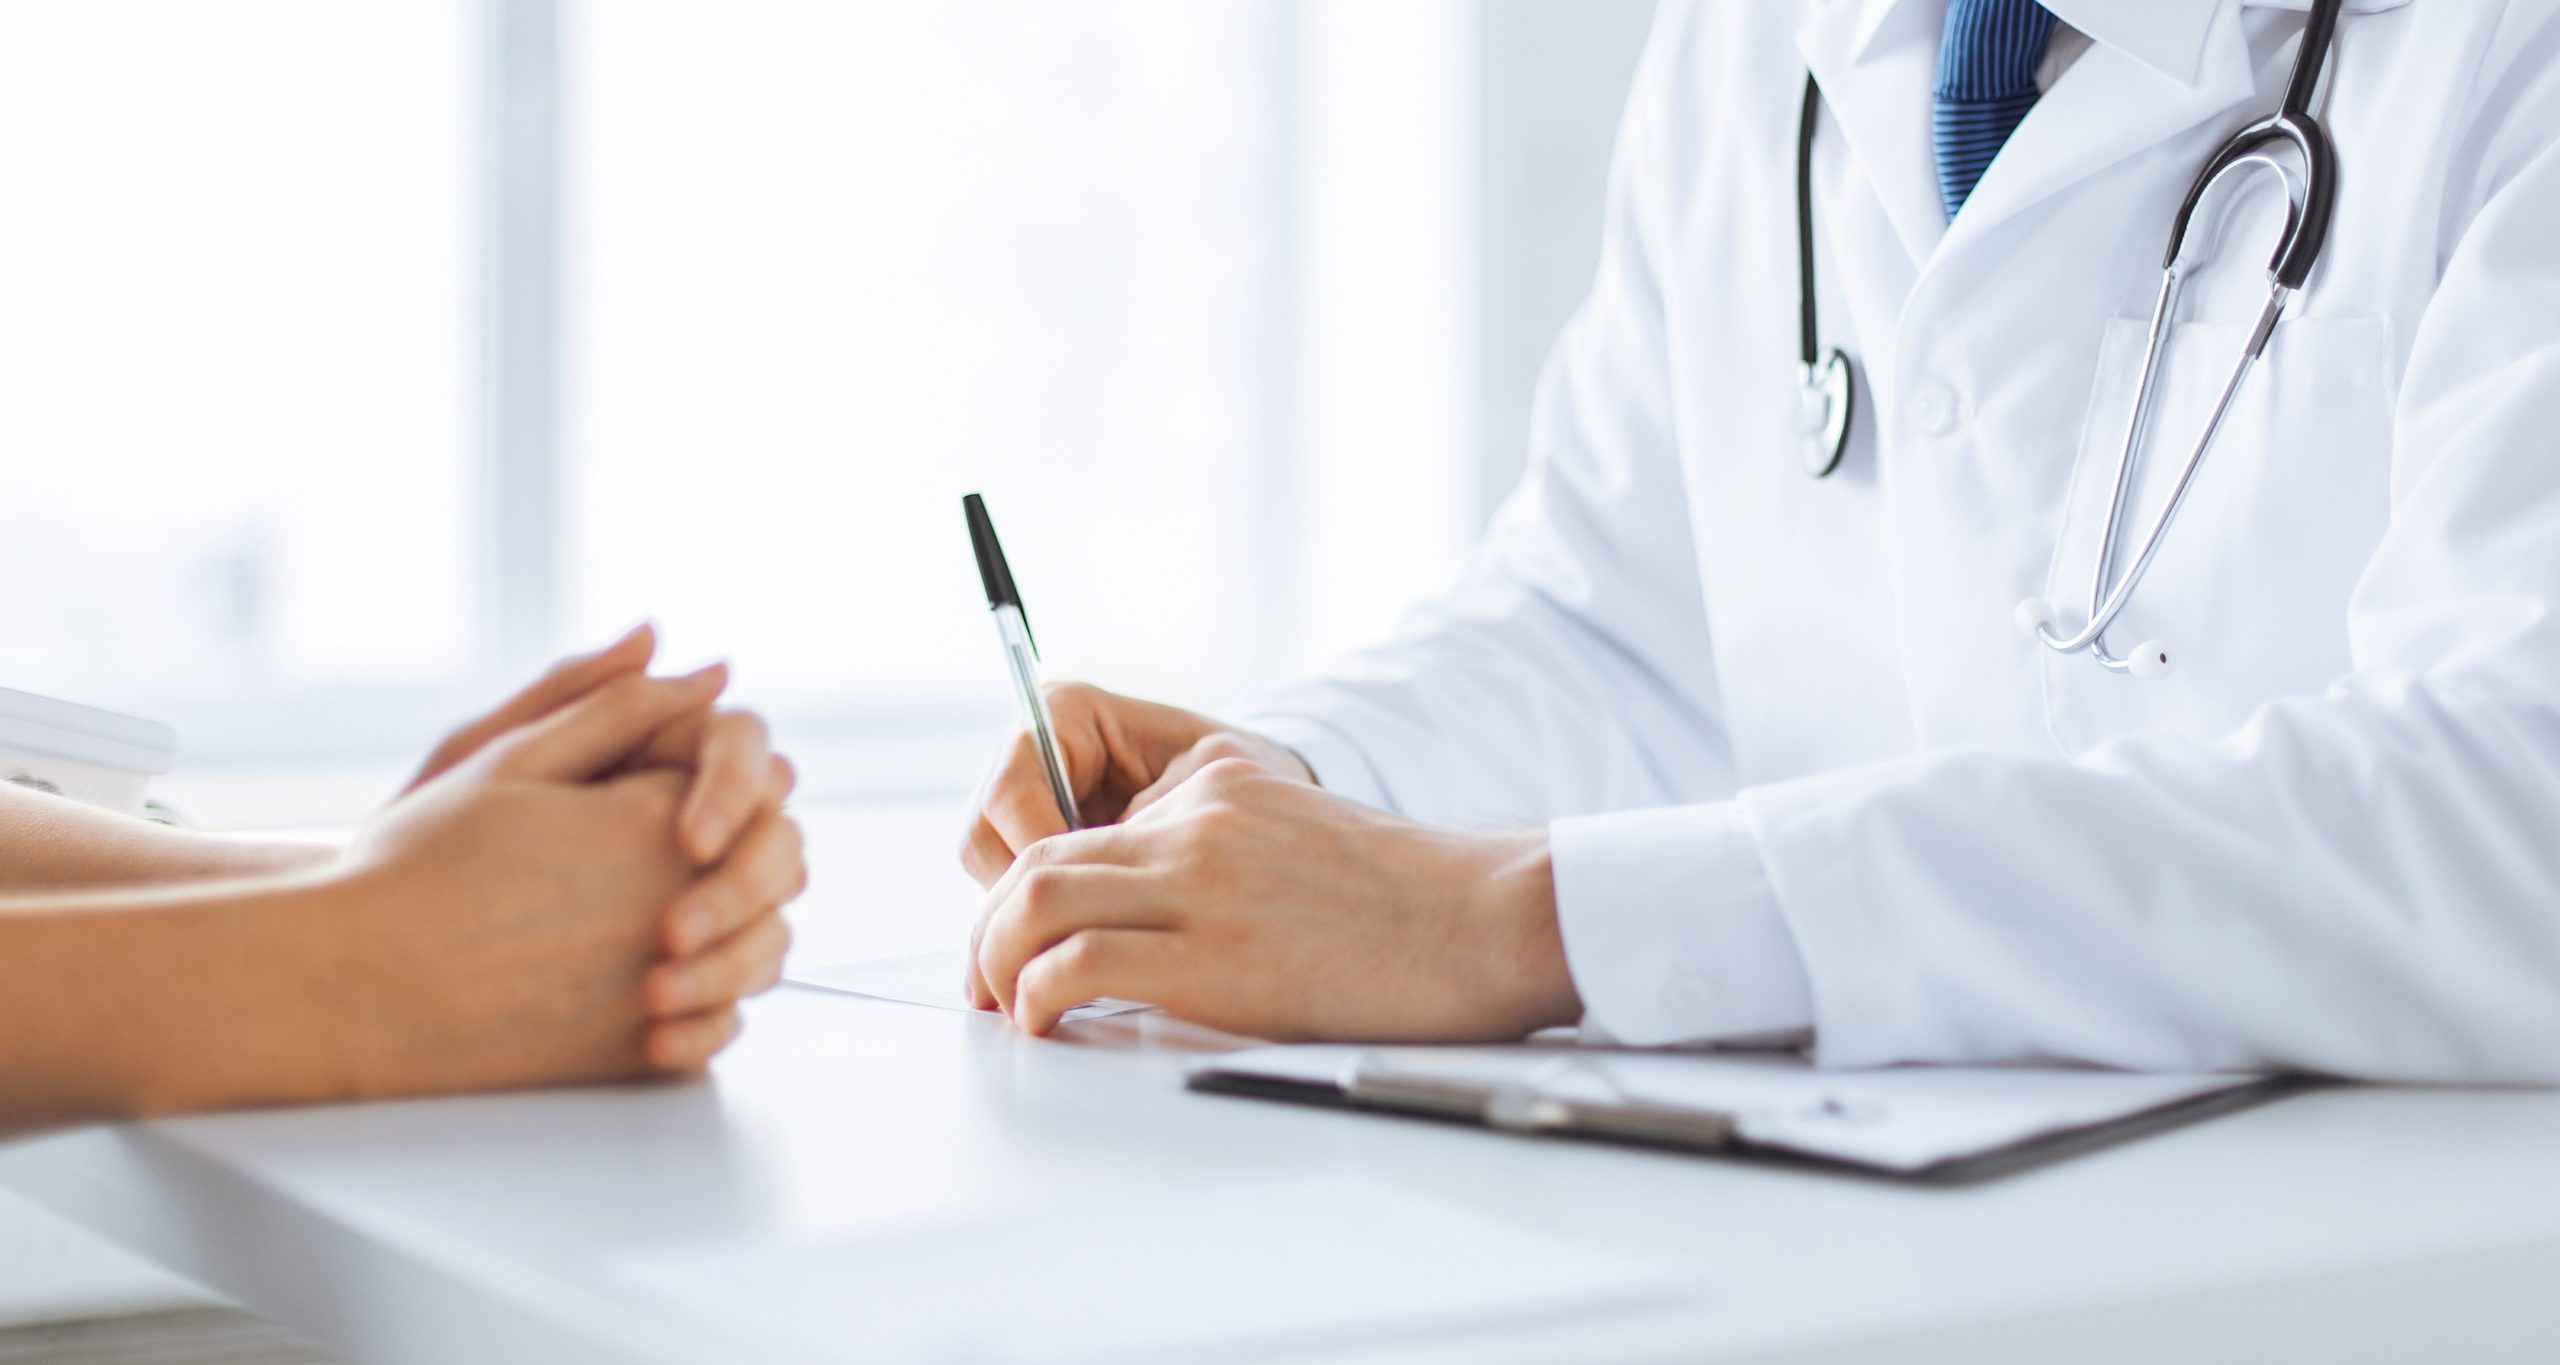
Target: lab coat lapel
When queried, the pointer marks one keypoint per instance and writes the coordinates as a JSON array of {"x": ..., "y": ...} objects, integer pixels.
[
  {"x": 2109, "y": 106},
  {"x": 1877, "y": 65}
]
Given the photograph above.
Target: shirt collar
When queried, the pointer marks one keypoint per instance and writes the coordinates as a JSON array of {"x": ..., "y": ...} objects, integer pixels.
[{"x": 2165, "y": 35}]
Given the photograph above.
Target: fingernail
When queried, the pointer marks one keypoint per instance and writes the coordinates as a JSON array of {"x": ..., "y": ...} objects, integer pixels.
[
  {"x": 694, "y": 927},
  {"x": 675, "y": 987}
]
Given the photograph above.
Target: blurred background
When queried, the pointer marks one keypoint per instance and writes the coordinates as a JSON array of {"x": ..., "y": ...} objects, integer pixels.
[{"x": 356, "y": 359}]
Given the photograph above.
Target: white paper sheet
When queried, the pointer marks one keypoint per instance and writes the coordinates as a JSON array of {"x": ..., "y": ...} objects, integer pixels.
[
  {"x": 1896, "y": 1119},
  {"x": 924, "y": 979},
  {"x": 1224, "y": 1272}
]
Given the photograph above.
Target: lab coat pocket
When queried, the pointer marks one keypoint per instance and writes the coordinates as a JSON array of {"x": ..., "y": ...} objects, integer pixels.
[{"x": 2248, "y": 594}]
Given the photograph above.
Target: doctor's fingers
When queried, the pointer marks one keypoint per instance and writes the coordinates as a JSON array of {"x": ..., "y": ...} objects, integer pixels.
[
  {"x": 1107, "y": 844},
  {"x": 984, "y": 854},
  {"x": 1130, "y": 964},
  {"x": 1019, "y": 808},
  {"x": 1050, "y": 904},
  {"x": 1013, "y": 809},
  {"x": 1225, "y": 744},
  {"x": 767, "y": 869}
]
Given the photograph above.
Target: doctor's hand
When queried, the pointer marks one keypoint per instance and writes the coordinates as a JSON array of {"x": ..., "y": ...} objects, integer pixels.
[
  {"x": 1122, "y": 755},
  {"x": 1261, "y": 905}
]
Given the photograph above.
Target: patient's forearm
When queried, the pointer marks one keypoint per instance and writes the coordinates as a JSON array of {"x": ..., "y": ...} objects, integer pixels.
[
  {"x": 50, "y": 843},
  {"x": 115, "y": 1004}
]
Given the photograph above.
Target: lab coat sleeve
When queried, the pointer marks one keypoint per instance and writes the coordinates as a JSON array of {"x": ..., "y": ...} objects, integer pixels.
[
  {"x": 2365, "y": 882},
  {"x": 1568, "y": 670}
]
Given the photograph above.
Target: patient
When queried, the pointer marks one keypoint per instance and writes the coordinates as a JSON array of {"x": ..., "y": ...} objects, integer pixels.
[{"x": 579, "y": 886}]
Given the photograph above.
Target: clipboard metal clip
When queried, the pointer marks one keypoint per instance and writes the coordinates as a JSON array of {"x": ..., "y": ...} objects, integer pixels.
[{"x": 1532, "y": 1107}]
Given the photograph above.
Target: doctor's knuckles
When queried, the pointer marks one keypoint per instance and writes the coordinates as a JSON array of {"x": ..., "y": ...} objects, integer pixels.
[
  {"x": 1121, "y": 755},
  {"x": 1255, "y": 903}
]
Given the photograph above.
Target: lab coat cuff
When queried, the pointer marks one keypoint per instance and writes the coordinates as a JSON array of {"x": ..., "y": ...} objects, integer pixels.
[
  {"x": 1336, "y": 761},
  {"x": 1672, "y": 930},
  {"x": 1866, "y": 989}
]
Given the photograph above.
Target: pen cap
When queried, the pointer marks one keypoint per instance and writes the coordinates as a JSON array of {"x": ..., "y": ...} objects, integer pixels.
[{"x": 992, "y": 570}]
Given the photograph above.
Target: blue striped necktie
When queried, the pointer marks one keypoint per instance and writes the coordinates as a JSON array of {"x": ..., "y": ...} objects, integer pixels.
[{"x": 1986, "y": 84}]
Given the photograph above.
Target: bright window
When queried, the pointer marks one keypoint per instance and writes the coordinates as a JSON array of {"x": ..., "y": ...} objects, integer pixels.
[
  {"x": 235, "y": 347},
  {"x": 355, "y": 357},
  {"x": 834, "y": 265}
]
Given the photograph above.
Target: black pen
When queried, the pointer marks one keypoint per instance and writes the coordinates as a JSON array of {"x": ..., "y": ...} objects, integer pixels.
[{"x": 1021, "y": 652}]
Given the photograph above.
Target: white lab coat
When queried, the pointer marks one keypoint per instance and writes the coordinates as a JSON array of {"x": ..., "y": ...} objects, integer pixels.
[{"x": 1800, "y": 766}]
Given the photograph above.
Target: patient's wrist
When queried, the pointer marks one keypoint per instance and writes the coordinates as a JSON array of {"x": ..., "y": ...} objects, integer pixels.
[
  {"x": 254, "y": 1007},
  {"x": 228, "y": 856}
]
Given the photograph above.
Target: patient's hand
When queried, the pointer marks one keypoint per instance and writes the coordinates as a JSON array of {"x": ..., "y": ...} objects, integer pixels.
[
  {"x": 729, "y": 754},
  {"x": 731, "y": 812},
  {"x": 526, "y": 914}
]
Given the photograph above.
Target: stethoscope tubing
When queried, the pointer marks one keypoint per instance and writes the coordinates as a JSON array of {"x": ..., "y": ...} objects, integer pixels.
[{"x": 1826, "y": 385}]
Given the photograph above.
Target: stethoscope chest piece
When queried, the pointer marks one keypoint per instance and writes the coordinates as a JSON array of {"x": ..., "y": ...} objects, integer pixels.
[{"x": 1823, "y": 395}]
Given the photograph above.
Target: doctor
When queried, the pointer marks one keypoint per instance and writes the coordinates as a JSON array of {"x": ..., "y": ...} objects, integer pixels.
[{"x": 1706, "y": 747}]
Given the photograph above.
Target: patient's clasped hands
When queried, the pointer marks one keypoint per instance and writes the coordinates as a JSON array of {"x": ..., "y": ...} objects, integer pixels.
[
  {"x": 579, "y": 886},
  {"x": 586, "y": 883}
]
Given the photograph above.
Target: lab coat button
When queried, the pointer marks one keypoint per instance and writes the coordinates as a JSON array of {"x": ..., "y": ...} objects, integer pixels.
[{"x": 1933, "y": 407}]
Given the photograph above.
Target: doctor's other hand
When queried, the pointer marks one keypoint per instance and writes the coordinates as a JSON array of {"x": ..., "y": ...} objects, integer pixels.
[
  {"x": 1261, "y": 905},
  {"x": 507, "y": 923},
  {"x": 1122, "y": 755}
]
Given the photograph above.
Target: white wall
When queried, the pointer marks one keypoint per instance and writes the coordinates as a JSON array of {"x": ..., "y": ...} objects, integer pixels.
[
  {"x": 1551, "y": 78},
  {"x": 1451, "y": 166}
]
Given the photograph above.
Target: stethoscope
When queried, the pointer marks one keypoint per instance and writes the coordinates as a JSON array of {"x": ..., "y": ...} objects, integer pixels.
[{"x": 1824, "y": 394}]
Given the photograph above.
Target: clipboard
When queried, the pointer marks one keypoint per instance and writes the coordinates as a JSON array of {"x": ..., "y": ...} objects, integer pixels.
[{"x": 1927, "y": 1125}]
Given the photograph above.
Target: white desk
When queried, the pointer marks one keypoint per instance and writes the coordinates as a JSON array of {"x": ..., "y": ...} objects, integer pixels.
[{"x": 2345, "y": 1226}]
